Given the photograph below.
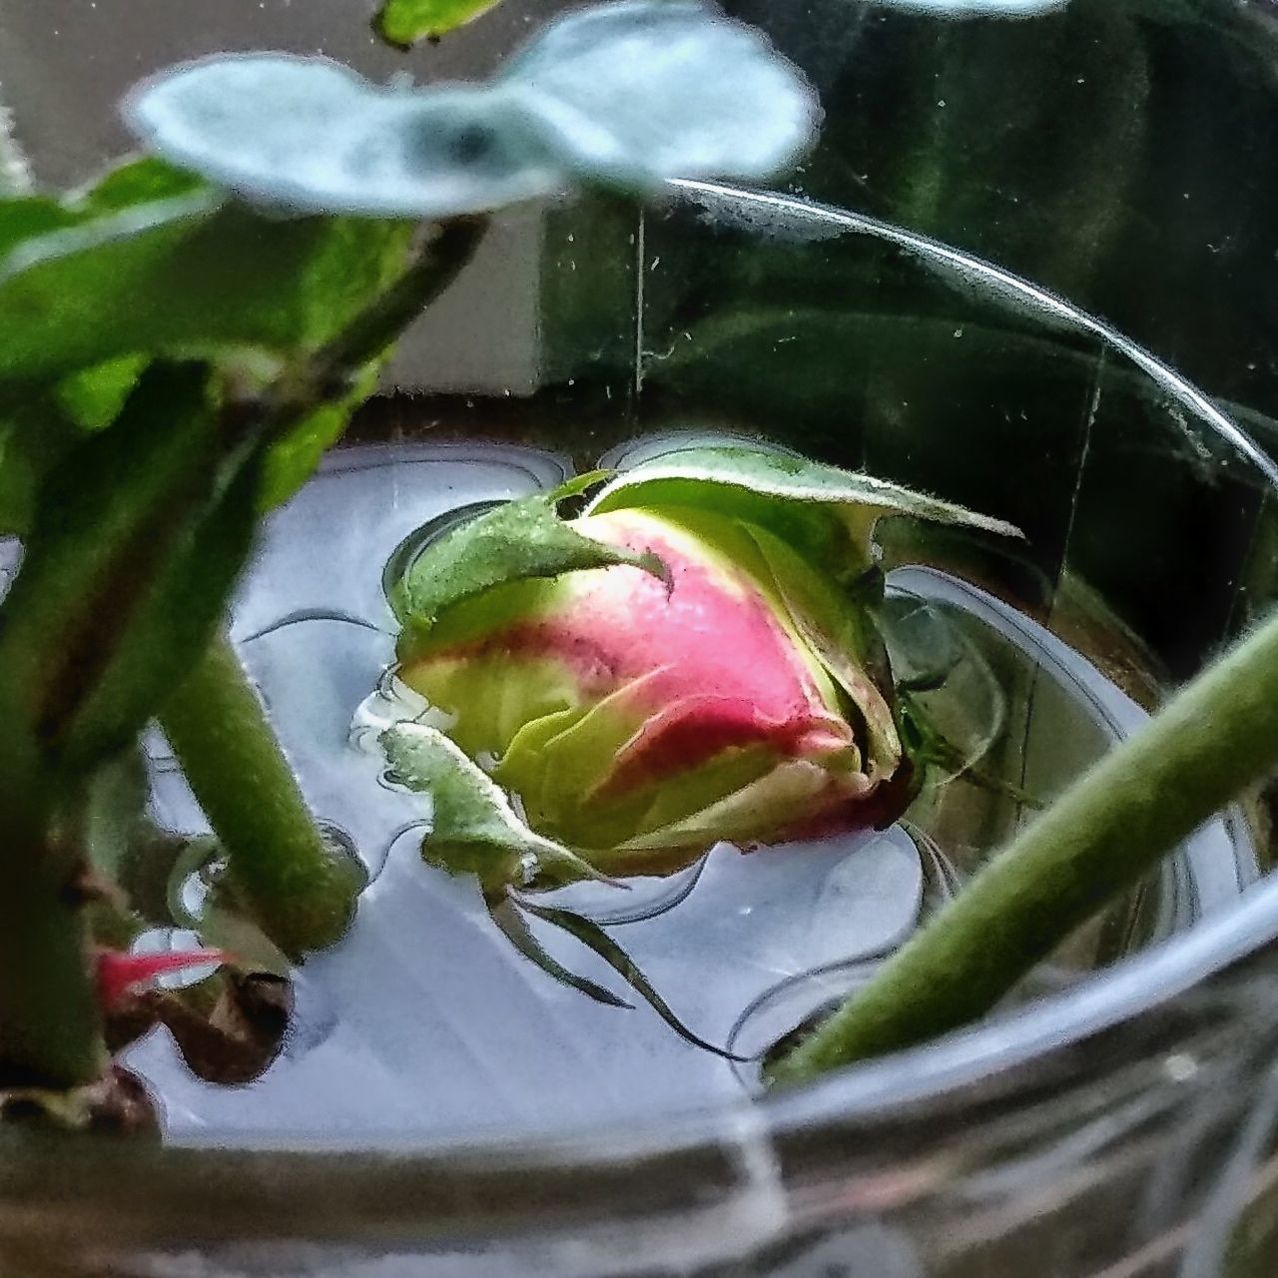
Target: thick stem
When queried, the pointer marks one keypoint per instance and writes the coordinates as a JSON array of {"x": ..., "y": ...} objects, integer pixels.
[
  {"x": 300, "y": 888},
  {"x": 50, "y": 1032},
  {"x": 1212, "y": 740}
]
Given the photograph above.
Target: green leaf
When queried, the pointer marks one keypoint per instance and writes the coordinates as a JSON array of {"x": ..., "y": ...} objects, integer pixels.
[
  {"x": 404, "y": 22},
  {"x": 137, "y": 181},
  {"x": 29, "y": 216},
  {"x": 517, "y": 541},
  {"x": 592, "y": 936},
  {"x": 803, "y": 502},
  {"x": 473, "y": 826},
  {"x": 138, "y": 538},
  {"x": 94, "y": 396},
  {"x": 211, "y": 276},
  {"x": 291, "y": 461},
  {"x": 34, "y": 437}
]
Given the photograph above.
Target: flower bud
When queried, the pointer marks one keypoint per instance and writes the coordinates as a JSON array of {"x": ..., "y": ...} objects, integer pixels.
[{"x": 641, "y": 721}]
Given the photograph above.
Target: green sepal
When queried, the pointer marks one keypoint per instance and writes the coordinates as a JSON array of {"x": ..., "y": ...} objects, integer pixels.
[
  {"x": 826, "y": 513},
  {"x": 474, "y": 828},
  {"x": 518, "y": 541}
]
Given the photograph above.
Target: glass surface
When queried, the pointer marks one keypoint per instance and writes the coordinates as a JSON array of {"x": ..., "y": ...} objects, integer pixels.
[{"x": 441, "y": 1107}]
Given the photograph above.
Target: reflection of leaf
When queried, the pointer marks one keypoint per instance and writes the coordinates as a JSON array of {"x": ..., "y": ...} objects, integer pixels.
[
  {"x": 517, "y": 541},
  {"x": 473, "y": 826},
  {"x": 595, "y": 938},
  {"x": 953, "y": 704},
  {"x": 404, "y": 22},
  {"x": 976, "y": 8}
]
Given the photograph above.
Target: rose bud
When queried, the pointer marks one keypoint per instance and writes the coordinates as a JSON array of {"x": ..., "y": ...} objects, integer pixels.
[{"x": 641, "y": 720}]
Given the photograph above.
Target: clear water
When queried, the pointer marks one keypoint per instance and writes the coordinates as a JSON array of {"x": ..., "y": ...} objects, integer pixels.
[{"x": 426, "y": 1020}]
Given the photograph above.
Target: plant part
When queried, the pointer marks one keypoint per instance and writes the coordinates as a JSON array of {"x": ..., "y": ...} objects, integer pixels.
[
  {"x": 145, "y": 429},
  {"x": 697, "y": 657}
]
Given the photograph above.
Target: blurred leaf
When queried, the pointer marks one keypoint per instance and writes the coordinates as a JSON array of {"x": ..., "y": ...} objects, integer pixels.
[
  {"x": 137, "y": 539},
  {"x": 28, "y": 216},
  {"x": 404, "y": 22},
  {"x": 307, "y": 134},
  {"x": 142, "y": 180},
  {"x": 94, "y": 396},
  {"x": 33, "y": 438},
  {"x": 625, "y": 95},
  {"x": 517, "y": 541},
  {"x": 630, "y": 94},
  {"x": 473, "y": 826},
  {"x": 212, "y": 277},
  {"x": 291, "y": 461}
]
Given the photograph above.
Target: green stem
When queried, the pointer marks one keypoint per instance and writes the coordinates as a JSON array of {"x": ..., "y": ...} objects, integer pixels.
[
  {"x": 299, "y": 888},
  {"x": 50, "y": 1033},
  {"x": 1213, "y": 739}
]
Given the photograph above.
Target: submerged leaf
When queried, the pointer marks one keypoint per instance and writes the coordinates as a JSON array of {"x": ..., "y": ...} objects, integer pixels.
[
  {"x": 591, "y": 935},
  {"x": 514, "y": 927},
  {"x": 517, "y": 541},
  {"x": 404, "y": 22}
]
